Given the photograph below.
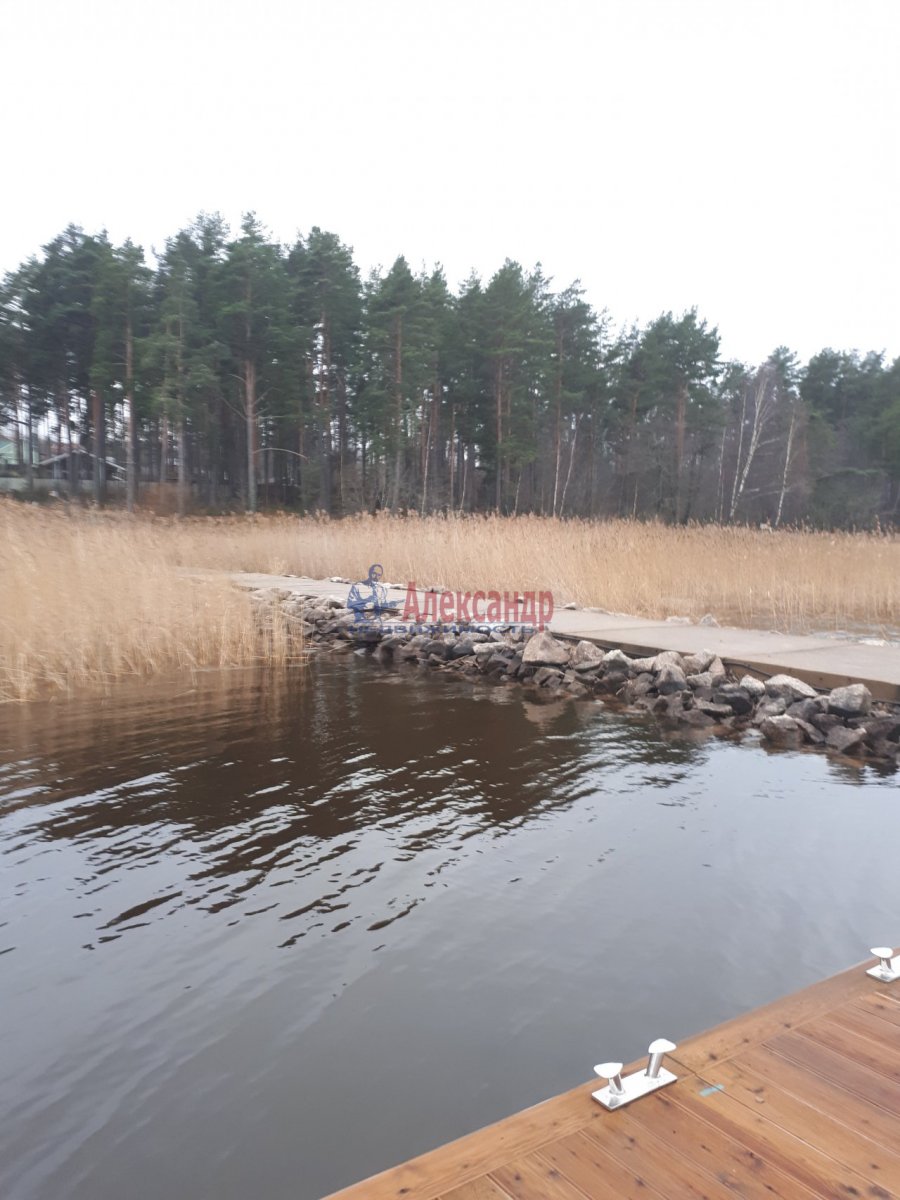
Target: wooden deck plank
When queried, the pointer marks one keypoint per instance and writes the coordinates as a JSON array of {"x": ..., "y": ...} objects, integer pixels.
[
  {"x": 868, "y": 1119},
  {"x": 842, "y": 1136},
  {"x": 479, "y": 1189},
  {"x": 672, "y": 1173},
  {"x": 739, "y": 1164},
  {"x": 842, "y": 1072},
  {"x": 867, "y": 1024},
  {"x": 590, "y": 1167},
  {"x": 795, "y": 1156},
  {"x": 533, "y": 1178},
  {"x": 885, "y": 1007}
]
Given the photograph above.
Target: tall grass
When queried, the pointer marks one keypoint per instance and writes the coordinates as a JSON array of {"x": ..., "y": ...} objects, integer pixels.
[
  {"x": 791, "y": 579},
  {"x": 86, "y": 600},
  {"x": 87, "y": 597}
]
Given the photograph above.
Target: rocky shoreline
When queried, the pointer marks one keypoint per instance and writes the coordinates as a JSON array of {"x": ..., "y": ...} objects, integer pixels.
[{"x": 690, "y": 691}]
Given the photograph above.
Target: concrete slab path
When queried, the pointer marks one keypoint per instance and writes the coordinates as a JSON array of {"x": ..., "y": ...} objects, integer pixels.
[{"x": 822, "y": 661}]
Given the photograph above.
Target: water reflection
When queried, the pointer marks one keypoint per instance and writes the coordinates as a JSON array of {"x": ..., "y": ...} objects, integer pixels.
[{"x": 223, "y": 901}]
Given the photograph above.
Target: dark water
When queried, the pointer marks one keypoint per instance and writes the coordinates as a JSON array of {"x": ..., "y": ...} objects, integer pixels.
[{"x": 268, "y": 935}]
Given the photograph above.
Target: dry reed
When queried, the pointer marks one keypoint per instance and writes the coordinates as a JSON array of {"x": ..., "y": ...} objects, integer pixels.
[{"x": 87, "y": 597}]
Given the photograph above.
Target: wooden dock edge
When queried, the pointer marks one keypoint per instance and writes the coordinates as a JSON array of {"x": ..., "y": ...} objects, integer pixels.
[{"x": 469, "y": 1158}]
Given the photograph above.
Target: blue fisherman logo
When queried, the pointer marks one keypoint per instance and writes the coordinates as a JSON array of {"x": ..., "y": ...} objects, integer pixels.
[{"x": 367, "y": 599}]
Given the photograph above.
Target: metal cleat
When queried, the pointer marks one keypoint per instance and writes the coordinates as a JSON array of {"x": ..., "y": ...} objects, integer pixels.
[{"x": 619, "y": 1092}]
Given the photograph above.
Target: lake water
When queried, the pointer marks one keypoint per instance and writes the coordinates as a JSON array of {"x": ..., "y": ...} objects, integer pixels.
[{"x": 263, "y": 935}]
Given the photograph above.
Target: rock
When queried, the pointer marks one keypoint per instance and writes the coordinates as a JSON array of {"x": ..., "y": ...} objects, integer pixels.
[
  {"x": 544, "y": 675},
  {"x": 786, "y": 687},
  {"x": 678, "y": 621},
  {"x": 782, "y": 730},
  {"x": 774, "y": 707},
  {"x": 570, "y": 605},
  {"x": 708, "y": 619},
  {"x": 717, "y": 669},
  {"x": 670, "y": 679},
  {"x": 810, "y": 733},
  {"x": 463, "y": 648},
  {"x": 437, "y": 647},
  {"x": 883, "y": 748},
  {"x": 615, "y": 658},
  {"x": 752, "y": 686},
  {"x": 845, "y": 741},
  {"x": 825, "y": 721},
  {"x": 544, "y": 650},
  {"x": 668, "y": 658},
  {"x": 703, "y": 680},
  {"x": 737, "y": 698},
  {"x": 696, "y": 664},
  {"x": 884, "y": 727},
  {"x": 698, "y": 719},
  {"x": 804, "y": 710},
  {"x": 852, "y": 701},
  {"x": 586, "y": 656},
  {"x": 669, "y": 706},
  {"x": 719, "y": 711},
  {"x": 337, "y": 579},
  {"x": 640, "y": 665}
]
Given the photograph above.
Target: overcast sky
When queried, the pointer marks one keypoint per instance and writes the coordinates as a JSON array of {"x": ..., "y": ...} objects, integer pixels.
[{"x": 737, "y": 156}]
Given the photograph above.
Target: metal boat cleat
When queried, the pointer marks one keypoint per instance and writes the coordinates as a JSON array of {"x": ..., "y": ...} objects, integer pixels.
[
  {"x": 619, "y": 1092},
  {"x": 888, "y": 968}
]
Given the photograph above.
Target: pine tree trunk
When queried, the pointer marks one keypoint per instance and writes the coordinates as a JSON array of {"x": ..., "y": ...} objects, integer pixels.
[
  {"x": 130, "y": 476},
  {"x": 250, "y": 410},
  {"x": 182, "y": 467},
  {"x": 398, "y": 413},
  {"x": 164, "y": 447},
  {"x": 680, "y": 422}
]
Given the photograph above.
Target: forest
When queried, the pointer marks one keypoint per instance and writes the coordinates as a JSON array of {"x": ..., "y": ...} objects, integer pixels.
[{"x": 243, "y": 373}]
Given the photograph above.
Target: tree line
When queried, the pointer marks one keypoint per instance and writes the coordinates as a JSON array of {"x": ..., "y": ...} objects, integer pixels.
[{"x": 249, "y": 373}]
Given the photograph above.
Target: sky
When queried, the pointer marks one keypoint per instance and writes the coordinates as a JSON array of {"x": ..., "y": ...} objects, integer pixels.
[{"x": 740, "y": 156}]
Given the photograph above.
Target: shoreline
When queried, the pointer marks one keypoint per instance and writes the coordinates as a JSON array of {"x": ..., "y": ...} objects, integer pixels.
[{"x": 694, "y": 691}]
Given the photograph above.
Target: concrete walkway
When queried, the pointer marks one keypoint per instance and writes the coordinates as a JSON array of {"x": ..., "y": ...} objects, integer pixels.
[{"x": 821, "y": 661}]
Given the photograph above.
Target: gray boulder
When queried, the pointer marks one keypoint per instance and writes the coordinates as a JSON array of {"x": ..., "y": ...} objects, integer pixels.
[
  {"x": 810, "y": 734},
  {"x": 544, "y": 650},
  {"x": 717, "y": 669},
  {"x": 773, "y": 707},
  {"x": 670, "y": 679},
  {"x": 586, "y": 656},
  {"x": 616, "y": 660},
  {"x": 640, "y": 665},
  {"x": 696, "y": 664},
  {"x": 752, "y": 686},
  {"x": 721, "y": 712},
  {"x": 783, "y": 731},
  {"x": 852, "y": 701},
  {"x": 786, "y": 687},
  {"x": 701, "y": 680},
  {"x": 737, "y": 698},
  {"x": 668, "y": 658},
  {"x": 804, "y": 710},
  {"x": 708, "y": 619},
  {"x": 547, "y": 675},
  {"x": 844, "y": 740}
]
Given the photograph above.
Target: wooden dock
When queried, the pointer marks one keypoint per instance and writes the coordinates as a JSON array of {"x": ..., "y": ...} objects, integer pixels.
[{"x": 800, "y": 1100}]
